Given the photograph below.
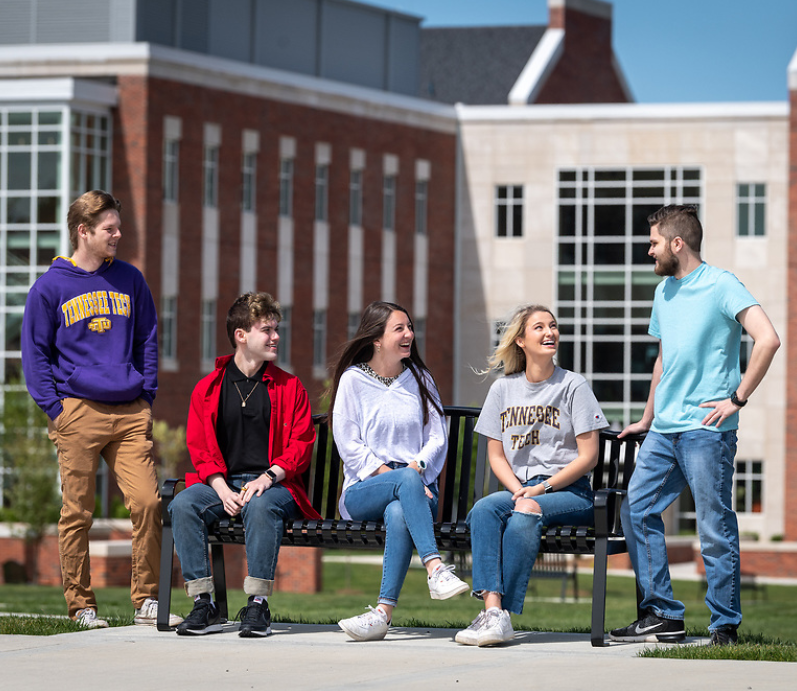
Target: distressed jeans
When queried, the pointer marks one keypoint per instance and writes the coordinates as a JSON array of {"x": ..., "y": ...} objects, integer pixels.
[
  {"x": 198, "y": 506},
  {"x": 702, "y": 460},
  {"x": 505, "y": 542},
  {"x": 398, "y": 499}
]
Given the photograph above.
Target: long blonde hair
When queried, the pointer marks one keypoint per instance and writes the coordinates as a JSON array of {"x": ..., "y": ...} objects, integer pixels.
[{"x": 509, "y": 356}]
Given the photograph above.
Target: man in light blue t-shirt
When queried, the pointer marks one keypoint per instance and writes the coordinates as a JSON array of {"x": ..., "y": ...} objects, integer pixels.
[{"x": 691, "y": 418}]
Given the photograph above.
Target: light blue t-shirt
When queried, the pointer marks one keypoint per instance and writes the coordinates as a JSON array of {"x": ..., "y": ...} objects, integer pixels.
[{"x": 695, "y": 319}]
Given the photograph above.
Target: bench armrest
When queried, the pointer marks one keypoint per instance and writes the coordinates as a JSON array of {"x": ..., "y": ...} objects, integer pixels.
[
  {"x": 607, "y": 510},
  {"x": 168, "y": 491}
]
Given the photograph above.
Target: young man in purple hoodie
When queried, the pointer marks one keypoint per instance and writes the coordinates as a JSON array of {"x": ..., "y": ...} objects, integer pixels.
[{"x": 90, "y": 358}]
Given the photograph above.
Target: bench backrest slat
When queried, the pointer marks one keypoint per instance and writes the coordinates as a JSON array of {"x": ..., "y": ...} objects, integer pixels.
[{"x": 466, "y": 477}]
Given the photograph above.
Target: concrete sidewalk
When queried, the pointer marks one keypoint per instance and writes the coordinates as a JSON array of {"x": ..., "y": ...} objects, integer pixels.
[{"x": 312, "y": 658}]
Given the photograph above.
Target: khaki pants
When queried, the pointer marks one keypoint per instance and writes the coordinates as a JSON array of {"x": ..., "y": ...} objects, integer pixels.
[{"x": 122, "y": 434}]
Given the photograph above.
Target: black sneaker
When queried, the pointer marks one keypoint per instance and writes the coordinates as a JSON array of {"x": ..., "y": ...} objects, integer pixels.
[
  {"x": 255, "y": 620},
  {"x": 204, "y": 618},
  {"x": 724, "y": 635},
  {"x": 651, "y": 628}
]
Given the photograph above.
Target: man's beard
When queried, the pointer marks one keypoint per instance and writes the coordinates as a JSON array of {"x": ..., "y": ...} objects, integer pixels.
[{"x": 667, "y": 265}]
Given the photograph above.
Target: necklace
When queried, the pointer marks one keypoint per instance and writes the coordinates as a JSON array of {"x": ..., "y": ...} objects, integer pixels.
[
  {"x": 387, "y": 381},
  {"x": 244, "y": 400}
]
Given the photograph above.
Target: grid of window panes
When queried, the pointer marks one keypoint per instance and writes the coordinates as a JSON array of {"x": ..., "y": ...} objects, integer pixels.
[
  {"x": 749, "y": 486},
  {"x": 605, "y": 279},
  {"x": 210, "y": 177},
  {"x": 389, "y": 202},
  {"x": 286, "y": 187},
  {"x": 509, "y": 211},
  {"x": 248, "y": 172},
  {"x": 751, "y": 202},
  {"x": 322, "y": 192}
]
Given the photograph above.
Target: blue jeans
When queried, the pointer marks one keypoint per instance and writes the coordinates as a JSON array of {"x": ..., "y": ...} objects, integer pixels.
[
  {"x": 667, "y": 463},
  {"x": 505, "y": 542},
  {"x": 398, "y": 499},
  {"x": 198, "y": 506}
]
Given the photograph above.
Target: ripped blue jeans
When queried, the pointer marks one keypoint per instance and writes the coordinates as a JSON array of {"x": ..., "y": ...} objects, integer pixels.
[{"x": 505, "y": 542}]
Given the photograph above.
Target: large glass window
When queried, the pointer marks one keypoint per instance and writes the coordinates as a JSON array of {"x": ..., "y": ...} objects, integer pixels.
[
  {"x": 48, "y": 156},
  {"x": 751, "y": 200},
  {"x": 605, "y": 280}
]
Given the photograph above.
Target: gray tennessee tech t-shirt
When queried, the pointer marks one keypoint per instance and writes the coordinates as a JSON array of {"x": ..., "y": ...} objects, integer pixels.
[{"x": 538, "y": 423}]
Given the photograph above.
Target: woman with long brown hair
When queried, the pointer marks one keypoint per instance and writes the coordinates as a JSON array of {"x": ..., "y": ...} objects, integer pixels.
[{"x": 389, "y": 428}]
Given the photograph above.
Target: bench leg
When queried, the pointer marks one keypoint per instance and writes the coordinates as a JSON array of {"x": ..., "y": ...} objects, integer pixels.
[
  {"x": 599, "y": 593},
  {"x": 165, "y": 581},
  {"x": 219, "y": 579}
]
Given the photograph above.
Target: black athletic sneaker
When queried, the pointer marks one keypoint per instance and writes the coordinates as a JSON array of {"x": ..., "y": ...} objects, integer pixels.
[
  {"x": 204, "y": 618},
  {"x": 651, "y": 628},
  {"x": 255, "y": 620},
  {"x": 724, "y": 635}
]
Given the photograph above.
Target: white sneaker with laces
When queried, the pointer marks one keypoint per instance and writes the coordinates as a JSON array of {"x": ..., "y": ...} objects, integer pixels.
[
  {"x": 443, "y": 584},
  {"x": 497, "y": 628},
  {"x": 470, "y": 636},
  {"x": 371, "y": 626},
  {"x": 88, "y": 619},
  {"x": 147, "y": 614}
]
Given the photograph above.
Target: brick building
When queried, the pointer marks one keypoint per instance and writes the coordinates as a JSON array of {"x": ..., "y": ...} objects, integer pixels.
[{"x": 459, "y": 172}]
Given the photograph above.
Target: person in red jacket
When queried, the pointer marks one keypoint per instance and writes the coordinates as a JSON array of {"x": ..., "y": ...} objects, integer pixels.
[{"x": 250, "y": 435}]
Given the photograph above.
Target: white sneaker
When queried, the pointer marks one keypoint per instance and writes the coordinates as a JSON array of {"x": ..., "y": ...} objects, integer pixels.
[
  {"x": 470, "y": 636},
  {"x": 371, "y": 626},
  {"x": 147, "y": 614},
  {"x": 88, "y": 619},
  {"x": 443, "y": 584},
  {"x": 497, "y": 628}
]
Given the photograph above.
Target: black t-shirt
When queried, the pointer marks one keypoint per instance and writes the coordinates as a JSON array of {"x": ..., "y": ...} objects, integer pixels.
[{"x": 244, "y": 420}]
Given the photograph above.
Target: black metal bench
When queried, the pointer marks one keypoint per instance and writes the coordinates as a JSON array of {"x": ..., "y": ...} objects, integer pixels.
[{"x": 465, "y": 479}]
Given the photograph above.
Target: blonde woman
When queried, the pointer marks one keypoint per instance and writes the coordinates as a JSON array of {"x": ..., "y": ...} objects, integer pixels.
[{"x": 542, "y": 424}]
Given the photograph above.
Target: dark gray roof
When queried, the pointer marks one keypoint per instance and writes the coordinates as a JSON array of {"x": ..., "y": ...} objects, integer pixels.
[{"x": 474, "y": 65}]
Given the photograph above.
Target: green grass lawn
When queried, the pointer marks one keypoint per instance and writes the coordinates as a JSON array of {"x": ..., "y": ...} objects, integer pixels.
[{"x": 767, "y": 632}]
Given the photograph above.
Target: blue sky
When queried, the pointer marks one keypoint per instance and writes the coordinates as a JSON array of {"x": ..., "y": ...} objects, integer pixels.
[{"x": 672, "y": 51}]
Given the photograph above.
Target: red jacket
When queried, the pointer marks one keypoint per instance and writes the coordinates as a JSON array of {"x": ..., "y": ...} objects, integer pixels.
[{"x": 291, "y": 435}]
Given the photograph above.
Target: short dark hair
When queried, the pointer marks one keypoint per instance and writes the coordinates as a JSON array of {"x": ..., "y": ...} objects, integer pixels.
[
  {"x": 679, "y": 221},
  {"x": 86, "y": 209},
  {"x": 248, "y": 309}
]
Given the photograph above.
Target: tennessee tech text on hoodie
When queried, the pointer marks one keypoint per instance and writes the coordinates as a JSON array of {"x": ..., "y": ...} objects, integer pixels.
[{"x": 90, "y": 335}]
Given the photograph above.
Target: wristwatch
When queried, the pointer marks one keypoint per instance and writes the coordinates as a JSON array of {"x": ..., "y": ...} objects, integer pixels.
[
  {"x": 421, "y": 463},
  {"x": 547, "y": 485},
  {"x": 735, "y": 400},
  {"x": 271, "y": 474}
]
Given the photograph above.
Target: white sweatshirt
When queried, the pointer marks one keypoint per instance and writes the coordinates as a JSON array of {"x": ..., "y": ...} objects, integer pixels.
[{"x": 374, "y": 424}]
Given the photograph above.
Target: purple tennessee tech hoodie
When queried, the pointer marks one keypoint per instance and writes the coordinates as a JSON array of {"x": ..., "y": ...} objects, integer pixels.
[{"x": 91, "y": 335}]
